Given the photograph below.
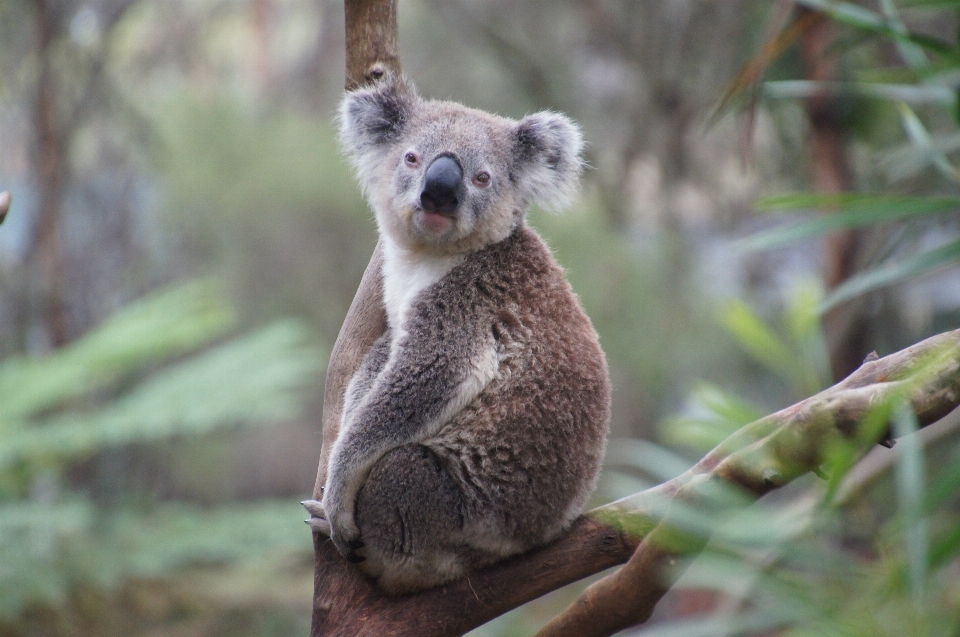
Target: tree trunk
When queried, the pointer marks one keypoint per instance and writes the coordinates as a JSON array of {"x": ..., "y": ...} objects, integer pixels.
[
  {"x": 845, "y": 326},
  {"x": 762, "y": 456},
  {"x": 45, "y": 256},
  {"x": 372, "y": 51}
]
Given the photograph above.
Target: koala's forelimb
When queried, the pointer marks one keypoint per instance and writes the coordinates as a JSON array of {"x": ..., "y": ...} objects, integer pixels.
[{"x": 417, "y": 393}]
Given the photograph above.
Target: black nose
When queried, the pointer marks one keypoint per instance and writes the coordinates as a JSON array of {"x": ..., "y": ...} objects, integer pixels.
[{"x": 441, "y": 185}]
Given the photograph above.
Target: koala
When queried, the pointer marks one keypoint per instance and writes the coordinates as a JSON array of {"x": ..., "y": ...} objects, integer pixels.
[{"x": 475, "y": 427}]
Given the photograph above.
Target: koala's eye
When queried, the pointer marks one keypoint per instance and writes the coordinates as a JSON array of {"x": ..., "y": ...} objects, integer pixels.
[
  {"x": 411, "y": 159},
  {"x": 481, "y": 178}
]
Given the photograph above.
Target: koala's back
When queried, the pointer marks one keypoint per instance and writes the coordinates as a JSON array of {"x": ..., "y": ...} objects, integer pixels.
[{"x": 526, "y": 451}]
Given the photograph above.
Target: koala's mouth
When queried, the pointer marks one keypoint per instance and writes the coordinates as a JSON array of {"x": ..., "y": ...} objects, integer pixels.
[{"x": 434, "y": 222}]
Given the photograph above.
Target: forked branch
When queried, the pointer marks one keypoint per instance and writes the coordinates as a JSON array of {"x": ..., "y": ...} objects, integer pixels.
[{"x": 759, "y": 458}]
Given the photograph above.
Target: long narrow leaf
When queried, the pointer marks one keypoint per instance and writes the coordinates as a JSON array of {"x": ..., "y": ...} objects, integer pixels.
[
  {"x": 914, "y": 266},
  {"x": 908, "y": 160},
  {"x": 871, "y": 22},
  {"x": 912, "y": 54},
  {"x": 920, "y": 138},
  {"x": 855, "y": 212},
  {"x": 758, "y": 340},
  {"x": 910, "y": 487},
  {"x": 907, "y": 93}
]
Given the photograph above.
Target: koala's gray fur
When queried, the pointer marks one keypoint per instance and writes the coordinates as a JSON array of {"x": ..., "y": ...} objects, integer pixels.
[{"x": 475, "y": 427}]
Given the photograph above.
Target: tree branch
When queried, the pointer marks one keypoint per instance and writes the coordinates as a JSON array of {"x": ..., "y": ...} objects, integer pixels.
[{"x": 761, "y": 457}]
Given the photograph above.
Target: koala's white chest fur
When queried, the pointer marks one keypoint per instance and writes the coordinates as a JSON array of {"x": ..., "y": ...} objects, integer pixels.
[{"x": 405, "y": 274}]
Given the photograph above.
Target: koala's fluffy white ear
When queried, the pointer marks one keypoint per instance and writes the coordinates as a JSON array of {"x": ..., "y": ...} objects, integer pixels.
[
  {"x": 372, "y": 117},
  {"x": 547, "y": 160}
]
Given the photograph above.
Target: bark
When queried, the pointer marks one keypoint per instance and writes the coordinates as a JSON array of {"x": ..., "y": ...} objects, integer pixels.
[
  {"x": 372, "y": 51},
  {"x": 372, "y": 41}
]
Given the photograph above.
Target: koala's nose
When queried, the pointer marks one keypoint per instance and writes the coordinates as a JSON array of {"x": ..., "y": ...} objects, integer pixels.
[{"x": 441, "y": 185}]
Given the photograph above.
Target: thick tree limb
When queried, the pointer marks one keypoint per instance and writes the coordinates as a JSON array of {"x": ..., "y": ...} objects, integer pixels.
[
  {"x": 372, "y": 41},
  {"x": 761, "y": 457},
  {"x": 371, "y": 51}
]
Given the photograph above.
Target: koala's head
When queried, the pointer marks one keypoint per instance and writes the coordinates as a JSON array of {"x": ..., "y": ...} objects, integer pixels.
[{"x": 445, "y": 178}]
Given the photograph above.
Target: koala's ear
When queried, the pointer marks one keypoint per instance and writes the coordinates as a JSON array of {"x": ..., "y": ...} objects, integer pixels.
[
  {"x": 374, "y": 116},
  {"x": 547, "y": 162}
]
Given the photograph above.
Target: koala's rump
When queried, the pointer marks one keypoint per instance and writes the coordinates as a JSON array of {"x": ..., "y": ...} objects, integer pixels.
[{"x": 527, "y": 450}]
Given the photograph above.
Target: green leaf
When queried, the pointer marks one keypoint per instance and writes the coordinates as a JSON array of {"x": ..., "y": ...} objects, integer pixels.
[
  {"x": 912, "y": 54},
  {"x": 920, "y": 138},
  {"x": 888, "y": 274},
  {"x": 711, "y": 416},
  {"x": 909, "y": 160},
  {"x": 657, "y": 461},
  {"x": 910, "y": 488},
  {"x": 253, "y": 379},
  {"x": 804, "y": 328},
  {"x": 945, "y": 548},
  {"x": 166, "y": 324},
  {"x": 868, "y": 21},
  {"x": 852, "y": 211},
  {"x": 907, "y": 93},
  {"x": 758, "y": 340}
]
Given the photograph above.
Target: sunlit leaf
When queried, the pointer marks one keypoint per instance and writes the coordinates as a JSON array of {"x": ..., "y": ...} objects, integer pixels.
[
  {"x": 758, "y": 340},
  {"x": 710, "y": 416}
]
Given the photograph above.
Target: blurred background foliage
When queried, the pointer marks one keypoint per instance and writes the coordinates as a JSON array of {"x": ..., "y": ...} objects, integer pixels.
[{"x": 185, "y": 240}]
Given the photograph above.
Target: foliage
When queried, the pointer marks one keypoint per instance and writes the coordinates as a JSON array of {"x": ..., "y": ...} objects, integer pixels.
[
  {"x": 920, "y": 175},
  {"x": 807, "y": 563},
  {"x": 164, "y": 367}
]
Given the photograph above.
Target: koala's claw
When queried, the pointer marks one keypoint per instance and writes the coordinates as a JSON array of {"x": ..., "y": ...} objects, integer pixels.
[{"x": 317, "y": 522}]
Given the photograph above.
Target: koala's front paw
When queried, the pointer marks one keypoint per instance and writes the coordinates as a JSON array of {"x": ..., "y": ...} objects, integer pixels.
[
  {"x": 345, "y": 535},
  {"x": 318, "y": 517}
]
